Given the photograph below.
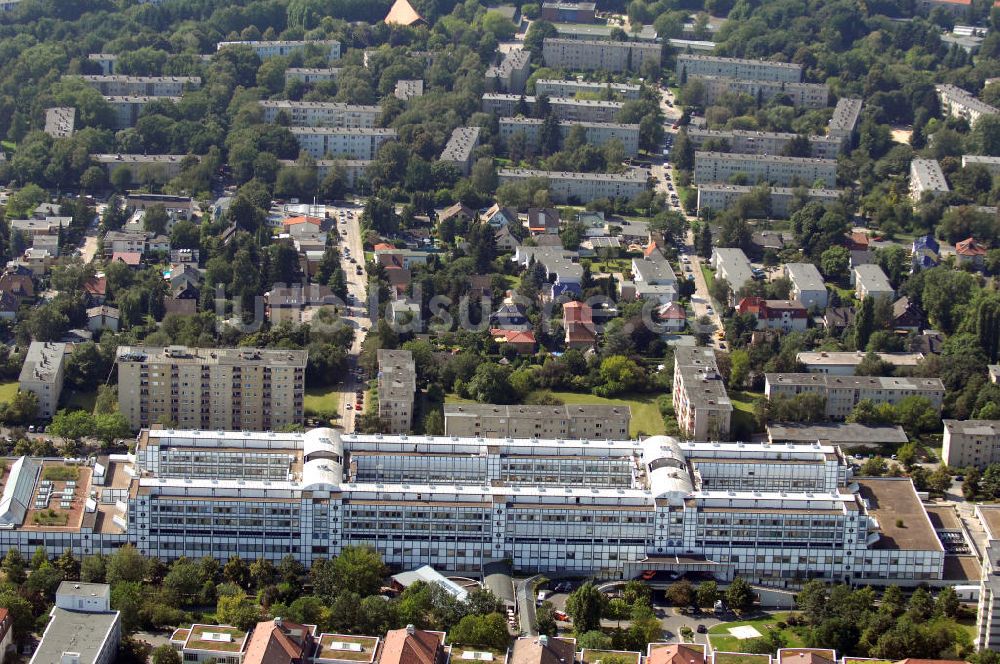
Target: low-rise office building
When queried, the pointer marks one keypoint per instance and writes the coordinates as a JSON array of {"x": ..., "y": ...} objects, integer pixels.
[
  {"x": 801, "y": 95},
  {"x": 320, "y": 113},
  {"x": 127, "y": 109},
  {"x": 460, "y": 147},
  {"x": 690, "y": 65},
  {"x": 926, "y": 177},
  {"x": 309, "y": 75},
  {"x": 582, "y": 188},
  {"x": 759, "y": 142},
  {"x": 959, "y": 103},
  {"x": 564, "y": 108},
  {"x": 42, "y": 374},
  {"x": 842, "y": 393},
  {"x": 844, "y": 120},
  {"x": 273, "y": 49},
  {"x": 558, "y": 88},
  {"x": 845, "y": 363},
  {"x": 703, "y": 408},
  {"x": 971, "y": 443},
  {"x": 397, "y": 387},
  {"x": 586, "y": 422},
  {"x": 733, "y": 266},
  {"x": 253, "y": 389},
  {"x": 358, "y": 143},
  {"x": 718, "y": 196},
  {"x": 511, "y": 74},
  {"x": 870, "y": 281},
  {"x": 840, "y": 434},
  {"x": 597, "y": 55},
  {"x": 82, "y": 628},
  {"x": 597, "y": 133},
  {"x": 808, "y": 286},
  {"x": 777, "y": 170},
  {"x": 149, "y": 86}
]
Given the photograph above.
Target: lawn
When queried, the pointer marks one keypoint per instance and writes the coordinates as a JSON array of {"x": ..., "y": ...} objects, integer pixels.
[
  {"x": 743, "y": 410},
  {"x": 77, "y": 400},
  {"x": 61, "y": 473},
  {"x": 740, "y": 658},
  {"x": 721, "y": 638},
  {"x": 709, "y": 275},
  {"x": 7, "y": 391},
  {"x": 611, "y": 266},
  {"x": 322, "y": 400},
  {"x": 51, "y": 518}
]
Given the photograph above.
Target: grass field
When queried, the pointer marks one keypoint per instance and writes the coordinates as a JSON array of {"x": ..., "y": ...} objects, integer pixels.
[
  {"x": 646, "y": 419},
  {"x": 743, "y": 409},
  {"x": 76, "y": 400},
  {"x": 323, "y": 400},
  {"x": 709, "y": 275},
  {"x": 740, "y": 658},
  {"x": 721, "y": 639},
  {"x": 7, "y": 391}
]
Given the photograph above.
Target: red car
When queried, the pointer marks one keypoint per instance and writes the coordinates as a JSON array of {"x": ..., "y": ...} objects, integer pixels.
[{"x": 648, "y": 575}]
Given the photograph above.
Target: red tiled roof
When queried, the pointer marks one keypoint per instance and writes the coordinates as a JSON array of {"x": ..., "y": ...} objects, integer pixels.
[
  {"x": 673, "y": 311},
  {"x": 292, "y": 221},
  {"x": 96, "y": 286},
  {"x": 676, "y": 653},
  {"x": 419, "y": 647},
  {"x": 271, "y": 643},
  {"x": 514, "y": 336},
  {"x": 649, "y": 250},
  {"x": 577, "y": 312},
  {"x": 969, "y": 247},
  {"x": 127, "y": 257},
  {"x": 384, "y": 246}
]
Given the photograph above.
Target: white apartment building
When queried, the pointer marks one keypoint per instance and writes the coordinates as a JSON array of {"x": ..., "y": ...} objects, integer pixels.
[
  {"x": 587, "y": 422},
  {"x": 564, "y": 108},
  {"x": 42, "y": 374},
  {"x": 959, "y": 103},
  {"x": 357, "y": 143},
  {"x": 557, "y": 88},
  {"x": 597, "y": 55},
  {"x": 870, "y": 281},
  {"x": 988, "y": 613},
  {"x": 844, "y": 392},
  {"x": 760, "y": 142},
  {"x": 273, "y": 49},
  {"x": 397, "y": 387},
  {"x": 845, "y": 363},
  {"x": 163, "y": 166},
  {"x": 733, "y": 266},
  {"x": 147, "y": 86},
  {"x": 83, "y": 628},
  {"x": 127, "y": 109},
  {"x": 353, "y": 169},
  {"x": 808, "y": 286},
  {"x": 703, "y": 408},
  {"x": 460, "y": 147},
  {"x": 926, "y": 176},
  {"x": 320, "y": 113},
  {"x": 971, "y": 443},
  {"x": 311, "y": 75},
  {"x": 511, "y": 74},
  {"x": 991, "y": 164},
  {"x": 691, "y": 65},
  {"x": 60, "y": 121},
  {"x": 716, "y": 196},
  {"x": 408, "y": 89},
  {"x": 802, "y": 95},
  {"x": 597, "y": 133},
  {"x": 844, "y": 120},
  {"x": 219, "y": 388},
  {"x": 582, "y": 188},
  {"x": 777, "y": 170},
  {"x": 107, "y": 61}
]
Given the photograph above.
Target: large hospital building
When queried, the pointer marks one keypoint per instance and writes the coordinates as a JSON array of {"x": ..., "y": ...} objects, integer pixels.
[{"x": 607, "y": 507}]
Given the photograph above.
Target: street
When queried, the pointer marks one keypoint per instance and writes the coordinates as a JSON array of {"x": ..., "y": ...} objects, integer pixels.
[{"x": 348, "y": 219}]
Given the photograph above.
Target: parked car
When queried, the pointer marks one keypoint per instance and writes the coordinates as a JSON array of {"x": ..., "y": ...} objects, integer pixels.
[{"x": 701, "y": 629}]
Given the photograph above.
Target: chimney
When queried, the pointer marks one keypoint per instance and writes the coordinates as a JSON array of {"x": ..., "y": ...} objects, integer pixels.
[
  {"x": 277, "y": 621},
  {"x": 410, "y": 629},
  {"x": 543, "y": 640}
]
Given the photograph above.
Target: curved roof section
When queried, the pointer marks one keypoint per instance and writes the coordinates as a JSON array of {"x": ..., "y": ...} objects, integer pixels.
[
  {"x": 668, "y": 470},
  {"x": 17, "y": 491}
]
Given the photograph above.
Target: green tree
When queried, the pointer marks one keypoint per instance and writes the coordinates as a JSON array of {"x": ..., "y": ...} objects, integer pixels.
[
  {"x": 359, "y": 568},
  {"x": 14, "y": 566},
  {"x": 707, "y": 593},
  {"x": 680, "y": 593},
  {"x": 68, "y": 565},
  {"x": 129, "y": 597},
  {"x": 92, "y": 569},
  {"x": 239, "y": 610},
  {"x": 165, "y": 654},
  {"x": 237, "y": 571},
  {"x": 739, "y": 595},
  {"x": 812, "y": 601},
  {"x": 947, "y": 603},
  {"x": 39, "y": 558},
  {"x": 585, "y": 606},
  {"x": 126, "y": 564},
  {"x": 21, "y": 614},
  {"x": 72, "y": 425}
]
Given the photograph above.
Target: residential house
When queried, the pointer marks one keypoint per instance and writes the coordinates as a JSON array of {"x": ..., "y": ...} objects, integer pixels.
[
  {"x": 390, "y": 257},
  {"x": 543, "y": 221},
  {"x": 906, "y": 315},
  {"x": 510, "y": 316},
  {"x": 733, "y": 266},
  {"x": 414, "y": 646},
  {"x": 925, "y": 251},
  {"x": 654, "y": 278},
  {"x": 18, "y": 283},
  {"x": 505, "y": 240},
  {"x": 103, "y": 318},
  {"x": 459, "y": 213},
  {"x": 131, "y": 258},
  {"x": 970, "y": 252},
  {"x": 404, "y": 311},
  {"x": 302, "y": 225},
  {"x": 808, "y": 286},
  {"x": 672, "y": 318},
  {"x": 497, "y": 216},
  {"x": 578, "y": 322},
  {"x": 838, "y": 319},
  {"x": 870, "y": 280},
  {"x": 785, "y": 315},
  {"x": 280, "y": 641},
  {"x": 522, "y": 341},
  {"x": 399, "y": 281},
  {"x": 296, "y": 304}
]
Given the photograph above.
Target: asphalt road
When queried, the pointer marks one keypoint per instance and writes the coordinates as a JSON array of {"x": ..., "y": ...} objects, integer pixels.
[{"x": 349, "y": 227}]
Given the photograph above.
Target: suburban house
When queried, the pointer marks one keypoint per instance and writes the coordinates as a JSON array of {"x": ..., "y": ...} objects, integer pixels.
[
  {"x": 970, "y": 252},
  {"x": 578, "y": 321},
  {"x": 784, "y": 315}
]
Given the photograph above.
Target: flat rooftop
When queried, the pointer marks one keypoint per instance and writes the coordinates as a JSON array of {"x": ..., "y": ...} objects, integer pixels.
[
  {"x": 216, "y": 638},
  {"x": 973, "y": 427},
  {"x": 854, "y": 358},
  {"x": 840, "y": 433},
  {"x": 344, "y": 647},
  {"x": 742, "y": 61},
  {"x": 990, "y": 516},
  {"x": 902, "y": 519},
  {"x": 214, "y": 356},
  {"x": 75, "y": 631},
  {"x": 943, "y": 517}
]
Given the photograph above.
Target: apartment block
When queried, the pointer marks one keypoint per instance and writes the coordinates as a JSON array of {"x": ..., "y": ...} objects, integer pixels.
[
  {"x": 82, "y": 629},
  {"x": 808, "y": 286},
  {"x": 844, "y": 363},
  {"x": 733, "y": 266},
  {"x": 583, "y": 187},
  {"x": 147, "y": 86},
  {"x": 569, "y": 12},
  {"x": 870, "y": 281},
  {"x": 715, "y": 196},
  {"x": 320, "y": 113},
  {"x": 842, "y": 393},
  {"x": 460, "y": 148},
  {"x": 162, "y": 166},
  {"x": 273, "y": 49},
  {"x": 597, "y": 133},
  {"x": 42, "y": 374},
  {"x": 511, "y": 74},
  {"x": 397, "y": 386},
  {"x": 802, "y": 95},
  {"x": 556, "y": 88},
  {"x": 586, "y": 422},
  {"x": 564, "y": 108},
  {"x": 781, "y": 171},
  {"x": 358, "y": 143},
  {"x": 128, "y": 109},
  {"x": 844, "y": 120},
  {"x": 108, "y": 62},
  {"x": 60, "y": 121},
  {"x": 959, "y": 103},
  {"x": 311, "y": 75},
  {"x": 991, "y": 164},
  {"x": 691, "y": 65},
  {"x": 252, "y": 389},
  {"x": 353, "y": 169},
  {"x": 700, "y": 401},
  {"x": 971, "y": 443},
  {"x": 408, "y": 89},
  {"x": 595, "y": 55},
  {"x": 759, "y": 142},
  {"x": 926, "y": 176}
]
